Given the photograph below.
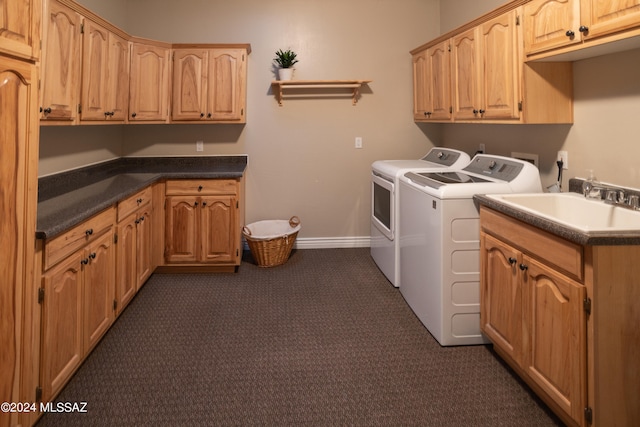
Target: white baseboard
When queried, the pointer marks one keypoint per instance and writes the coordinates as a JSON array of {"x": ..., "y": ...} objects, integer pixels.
[{"x": 329, "y": 242}]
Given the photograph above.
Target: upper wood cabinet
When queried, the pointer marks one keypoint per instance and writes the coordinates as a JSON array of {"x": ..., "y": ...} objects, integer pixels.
[
  {"x": 209, "y": 84},
  {"x": 431, "y": 82},
  {"x": 20, "y": 28},
  {"x": 105, "y": 75},
  {"x": 486, "y": 79},
  {"x": 149, "y": 82},
  {"x": 553, "y": 24},
  {"x": 60, "y": 63},
  {"x": 489, "y": 82}
]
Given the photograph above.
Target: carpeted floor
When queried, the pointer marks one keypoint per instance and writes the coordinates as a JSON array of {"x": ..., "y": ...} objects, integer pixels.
[{"x": 322, "y": 340}]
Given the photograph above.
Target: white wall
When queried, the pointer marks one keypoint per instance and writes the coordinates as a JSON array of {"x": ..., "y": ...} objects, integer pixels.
[{"x": 302, "y": 159}]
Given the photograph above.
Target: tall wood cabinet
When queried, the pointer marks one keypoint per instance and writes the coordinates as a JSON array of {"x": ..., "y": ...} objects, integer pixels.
[
  {"x": 18, "y": 198},
  {"x": 209, "y": 83},
  {"x": 149, "y": 81}
]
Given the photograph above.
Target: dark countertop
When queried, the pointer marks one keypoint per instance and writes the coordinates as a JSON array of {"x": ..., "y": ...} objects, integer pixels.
[
  {"x": 68, "y": 198},
  {"x": 558, "y": 229}
]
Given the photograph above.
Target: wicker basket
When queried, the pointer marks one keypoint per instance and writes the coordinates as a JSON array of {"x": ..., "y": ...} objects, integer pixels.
[{"x": 271, "y": 241}]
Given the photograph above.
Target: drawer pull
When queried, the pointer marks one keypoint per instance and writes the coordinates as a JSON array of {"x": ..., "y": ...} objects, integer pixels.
[
  {"x": 139, "y": 201},
  {"x": 200, "y": 187},
  {"x": 89, "y": 232}
]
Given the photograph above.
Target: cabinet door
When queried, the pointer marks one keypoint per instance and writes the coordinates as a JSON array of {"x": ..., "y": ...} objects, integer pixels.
[
  {"x": 143, "y": 246},
  {"x": 60, "y": 63},
  {"x": 95, "y": 63},
  {"x": 181, "y": 221},
  {"x": 189, "y": 84},
  {"x": 99, "y": 289},
  {"x": 556, "y": 342},
  {"x": 20, "y": 28},
  {"x": 149, "y": 83},
  {"x": 500, "y": 84},
  {"x": 550, "y": 24},
  {"x": 118, "y": 78},
  {"x": 431, "y": 78},
  {"x": 420, "y": 86},
  {"x": 466, "y": 76},
  {"x": 608, "y": 16},
  {"x": 218, "y": 229},
  {"x": 226, "y": 84},
  {"x": 126, "y": 262},
  {"x": 18, "y": 149},
  {"x": 501, "y": 296},
  {"x": 62, "y": 315}
]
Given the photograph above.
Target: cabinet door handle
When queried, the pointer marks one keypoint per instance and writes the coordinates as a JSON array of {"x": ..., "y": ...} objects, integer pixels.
[
  {"x": 92, "y": 255},
  {"x": 47, "y": 110},
  {"x": 139, "y": 201},
  {"x": 195, "y": 204},
  {"x": 209, "y": 115},
  {"x": 481, "y": 111},
  {"x": 201, "y": 115},
  {"x": 583, "y": 29},
  {"x": 204, "y": 204},
  {"x": 89, "y": 232},
  {"x": 512, "y": 260},
  {"x": 523, "y": 267},
  {"x": 133, "y": 115},
  {"x": 570, "y": 34},
  {"x": 85, "y": 261}
]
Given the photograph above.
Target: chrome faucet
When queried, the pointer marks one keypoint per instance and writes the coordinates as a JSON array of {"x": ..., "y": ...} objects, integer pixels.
[{"x": 611, "y": 194}]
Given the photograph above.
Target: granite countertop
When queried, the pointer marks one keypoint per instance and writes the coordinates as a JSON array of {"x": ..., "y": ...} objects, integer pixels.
[
  {"x": 568, "y": 233},
  {"x": 68, "y": 198}
]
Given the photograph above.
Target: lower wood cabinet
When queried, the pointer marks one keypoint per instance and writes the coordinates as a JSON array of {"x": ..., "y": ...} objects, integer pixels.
[
  {"x": 564, "y": 317},
  {"x": 133, "y": 246},
  {"x": 202, "y": 222},
  {"x": 77, "y": 298}
]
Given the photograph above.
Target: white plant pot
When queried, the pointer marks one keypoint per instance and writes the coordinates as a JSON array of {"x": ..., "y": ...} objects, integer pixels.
[{"x": 285, "y": 73}]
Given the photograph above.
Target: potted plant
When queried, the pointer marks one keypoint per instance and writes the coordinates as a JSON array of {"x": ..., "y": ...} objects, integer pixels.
[{"x": 285, "y": 60}]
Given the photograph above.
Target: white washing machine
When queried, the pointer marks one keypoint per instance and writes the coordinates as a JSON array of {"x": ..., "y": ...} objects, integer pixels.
[
  {"x": 440, "y": 241},
  {"x": 385, "y": 175}
]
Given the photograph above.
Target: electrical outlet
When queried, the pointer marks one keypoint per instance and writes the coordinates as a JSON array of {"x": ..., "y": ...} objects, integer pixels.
[
  {"x": 358, "y": 142},
  {"x": 564, "y": 155},
  {"x": 199, "y": 146}
]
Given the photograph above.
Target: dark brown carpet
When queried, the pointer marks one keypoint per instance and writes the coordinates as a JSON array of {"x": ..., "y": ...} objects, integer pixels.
[{"x": 322, "y": 340}]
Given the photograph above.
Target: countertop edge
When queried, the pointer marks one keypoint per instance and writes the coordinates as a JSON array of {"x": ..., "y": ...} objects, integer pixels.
[
  {"x": 557, "y": 229},
  {"x": 55, "y": 222}
]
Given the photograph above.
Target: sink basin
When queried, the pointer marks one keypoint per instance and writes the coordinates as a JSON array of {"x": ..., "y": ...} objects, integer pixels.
[{"x": 575, "y": 211}]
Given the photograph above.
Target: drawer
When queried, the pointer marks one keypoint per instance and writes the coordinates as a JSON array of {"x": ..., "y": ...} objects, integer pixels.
[
  {"x": 207, "y": 187},
  {"x": 128, "y": 206},
  {"x": 60, "y": 247},
  {"x": 555, "y": 251}
]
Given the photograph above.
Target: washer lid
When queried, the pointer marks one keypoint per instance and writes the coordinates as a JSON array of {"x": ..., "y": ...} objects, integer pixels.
[{"x": 438, "y": 179}]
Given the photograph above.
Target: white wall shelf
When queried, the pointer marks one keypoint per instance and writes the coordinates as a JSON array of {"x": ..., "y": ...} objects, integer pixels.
[{"x": 317, "y": 88}]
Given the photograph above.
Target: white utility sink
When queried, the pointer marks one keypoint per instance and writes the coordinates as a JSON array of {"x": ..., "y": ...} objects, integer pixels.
[{"x": 575, "y": 211}]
